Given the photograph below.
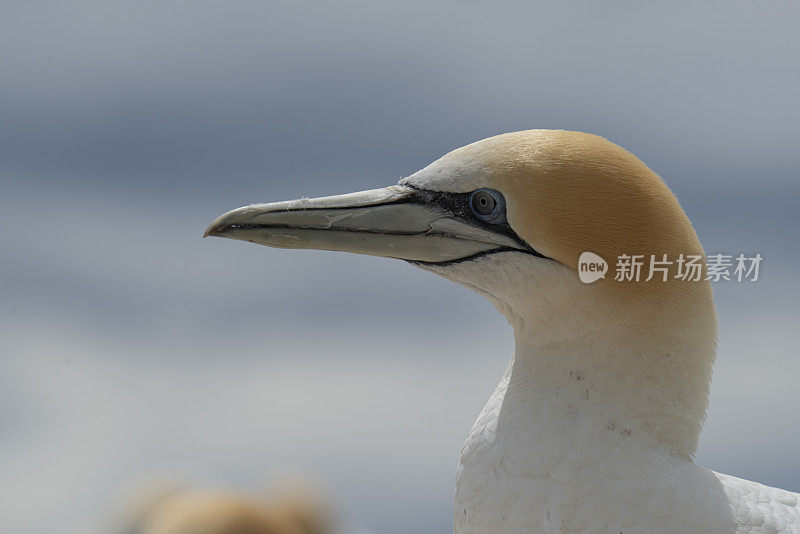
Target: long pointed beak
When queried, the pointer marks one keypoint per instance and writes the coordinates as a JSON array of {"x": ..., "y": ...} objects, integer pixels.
[{"x": 393, "y": 222}]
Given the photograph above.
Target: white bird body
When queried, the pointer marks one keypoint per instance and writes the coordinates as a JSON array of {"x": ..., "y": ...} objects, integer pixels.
[
  {"x": 517, "y": 477},
  {"x": 595, "y": 424}
]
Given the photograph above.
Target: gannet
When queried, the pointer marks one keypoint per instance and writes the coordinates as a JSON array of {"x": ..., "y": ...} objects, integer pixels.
[{"x": 595, "y": 424}]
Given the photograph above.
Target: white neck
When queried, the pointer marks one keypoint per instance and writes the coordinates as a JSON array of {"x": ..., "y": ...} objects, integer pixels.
[
  {"x": 602, "y": 399},
  {"x": 639, "y": 371},
  {"x": 557, "y": 449}
]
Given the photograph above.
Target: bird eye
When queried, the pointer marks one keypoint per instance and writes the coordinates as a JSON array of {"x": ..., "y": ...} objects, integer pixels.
[{"x": 487, "y": 204}]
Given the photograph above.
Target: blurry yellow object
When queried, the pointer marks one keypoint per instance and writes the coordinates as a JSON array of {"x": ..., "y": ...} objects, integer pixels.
[{"x": 206, "y": 512}]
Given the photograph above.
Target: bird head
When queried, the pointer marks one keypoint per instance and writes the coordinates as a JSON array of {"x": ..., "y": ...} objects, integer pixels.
[{"x": 510, "y": 218}]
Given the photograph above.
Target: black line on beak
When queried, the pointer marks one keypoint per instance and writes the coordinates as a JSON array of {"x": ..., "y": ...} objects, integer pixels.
[{"x": 477, "y": 255}]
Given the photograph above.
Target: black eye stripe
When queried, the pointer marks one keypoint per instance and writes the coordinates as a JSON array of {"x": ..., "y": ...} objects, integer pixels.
[{"x": 458, "y": 204}]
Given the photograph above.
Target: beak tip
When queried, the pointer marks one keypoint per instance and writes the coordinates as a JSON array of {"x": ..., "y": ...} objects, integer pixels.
[
  {"x": 219, "y": 224},
  {"x": 211, "y": 230}
]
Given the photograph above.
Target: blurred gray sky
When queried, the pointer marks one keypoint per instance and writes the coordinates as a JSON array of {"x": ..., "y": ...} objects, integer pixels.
[{"x": 130, "y": 347}]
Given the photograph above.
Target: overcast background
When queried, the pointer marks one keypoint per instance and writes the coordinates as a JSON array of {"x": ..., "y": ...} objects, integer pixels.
[{"x": 130, "y": 348}]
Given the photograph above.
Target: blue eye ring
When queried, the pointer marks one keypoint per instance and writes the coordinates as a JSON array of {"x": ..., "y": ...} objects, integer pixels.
[{"x": 487, "y": 205}]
